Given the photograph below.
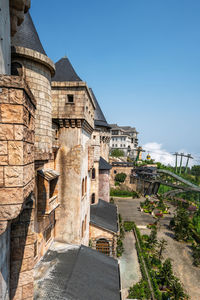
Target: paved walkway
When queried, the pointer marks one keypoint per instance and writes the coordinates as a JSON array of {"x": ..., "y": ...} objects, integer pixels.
[
  {"x": 179, "y": 252},
  {"x": 129, "y": 266}
]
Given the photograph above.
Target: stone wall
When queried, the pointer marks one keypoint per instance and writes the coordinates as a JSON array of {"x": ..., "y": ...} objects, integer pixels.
[
  {"x": 129, "y": 183},
  {"x": 72, "y": 164},
  {"x": 104, "y": 185},
  {"x": 17, "y": 115}
]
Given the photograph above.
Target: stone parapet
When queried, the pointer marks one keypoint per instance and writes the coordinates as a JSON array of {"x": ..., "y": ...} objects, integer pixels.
[
  {"x": 81, "y": 105},
  {"x": 34, "y": 56},
  {"x": 17, "y": 126}
]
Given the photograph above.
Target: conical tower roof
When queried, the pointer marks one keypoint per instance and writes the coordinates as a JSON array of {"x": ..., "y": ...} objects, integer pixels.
[
  {"x": 65, "y": 71},
  {"x": 27, "y": 36},
  {"x": 99, "y": 118}
]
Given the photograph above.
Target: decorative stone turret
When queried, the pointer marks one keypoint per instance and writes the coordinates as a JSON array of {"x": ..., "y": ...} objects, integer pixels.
[{"x": 37, "y": 70}]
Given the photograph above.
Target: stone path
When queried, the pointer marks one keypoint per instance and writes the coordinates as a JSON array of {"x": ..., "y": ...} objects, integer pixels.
[{"x": 129, "y": 266}]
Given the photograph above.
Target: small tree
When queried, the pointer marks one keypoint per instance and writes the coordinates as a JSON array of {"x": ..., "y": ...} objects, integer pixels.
[
  {"x": 161, "y": 247},
  {"x": 120, "y": 177},
  {"x": 152, "y": 240},
  {"x": 166, "y": 273},
  {"x": 196, "y": 254},
  {"x": 181, "y": 224},
  {"x": 177, "y": 291},
  {"x": 117, "y": 153}
]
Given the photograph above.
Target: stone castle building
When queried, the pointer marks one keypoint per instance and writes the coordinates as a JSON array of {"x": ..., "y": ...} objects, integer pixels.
[{"x": 52, "y": 138}]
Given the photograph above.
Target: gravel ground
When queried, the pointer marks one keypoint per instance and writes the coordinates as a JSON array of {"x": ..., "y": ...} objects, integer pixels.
[
  {"x": 129, "y": 266},
  {"x": 179, "y": 252}
]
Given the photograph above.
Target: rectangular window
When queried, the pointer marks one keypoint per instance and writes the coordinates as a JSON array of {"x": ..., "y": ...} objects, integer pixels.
[
  {"x": 35, "y": 249},
  {"x": 70, "y": 98},
  {"x": 47, "y": 234},
  {"x": 52, "y": 187}
]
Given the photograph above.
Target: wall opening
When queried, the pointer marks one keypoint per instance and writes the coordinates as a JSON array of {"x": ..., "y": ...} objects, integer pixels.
[
  {"x": 102, "y": 245},
  {"x": 93, "y": 198}
]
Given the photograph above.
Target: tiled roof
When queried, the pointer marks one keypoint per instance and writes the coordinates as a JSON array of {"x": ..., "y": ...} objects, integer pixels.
[
  {"x": 27, "y": 36},
  {"x": 65, "y": 71},
  {"x": 99, "y": 118},
  {"x": 104, "y": 215},
  {"x": 77, "y": 273},
  {"x": 104, "y": 165}
]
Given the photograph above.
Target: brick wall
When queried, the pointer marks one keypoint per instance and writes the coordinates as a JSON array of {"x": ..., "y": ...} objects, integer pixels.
[{"x": 17, "y": 116}]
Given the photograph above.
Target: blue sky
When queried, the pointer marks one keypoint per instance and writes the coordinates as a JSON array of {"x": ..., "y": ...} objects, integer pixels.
[{"x": 141, "y": 57}]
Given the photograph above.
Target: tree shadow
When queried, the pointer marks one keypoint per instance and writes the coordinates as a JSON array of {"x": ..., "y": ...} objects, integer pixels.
[{"x": 170, "y": 234}]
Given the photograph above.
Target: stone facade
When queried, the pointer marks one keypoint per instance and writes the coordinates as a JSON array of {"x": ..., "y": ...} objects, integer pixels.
[
  {"x": 17, "y": 115},
  {"x": 126, "y": 168},
  {"x": 104, "y": 185},
  {"x": 74, "y": 158}
]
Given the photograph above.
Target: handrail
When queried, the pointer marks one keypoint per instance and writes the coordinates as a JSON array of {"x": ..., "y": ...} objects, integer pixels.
[{"x": 194, "y": 186}]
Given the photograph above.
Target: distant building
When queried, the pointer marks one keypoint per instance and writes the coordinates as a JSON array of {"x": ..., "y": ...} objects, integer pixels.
[{"x": 124, "y": 138}]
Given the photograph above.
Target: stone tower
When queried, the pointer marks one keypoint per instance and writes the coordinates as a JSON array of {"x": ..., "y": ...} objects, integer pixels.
[
  {"x": 73, "y": 111},
  {"x": 37, "y": 69},
  {"x": 100, "y": 187}
]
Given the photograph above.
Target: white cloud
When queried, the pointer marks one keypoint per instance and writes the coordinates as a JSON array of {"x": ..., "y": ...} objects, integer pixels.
[{"x": 161, "y": 155}]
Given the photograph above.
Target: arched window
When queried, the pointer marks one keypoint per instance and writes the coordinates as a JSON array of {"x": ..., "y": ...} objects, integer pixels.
[
  {"x": 16, "y": 69},
  {"x": 93, "y": 198},
  {"x": 93, "y": 173},
  {"x": 82, "y": 228},
  {"x": 102, "y": 245},
  {"x": 86, "y": 184},
  {"x": 83, "y": 187}
]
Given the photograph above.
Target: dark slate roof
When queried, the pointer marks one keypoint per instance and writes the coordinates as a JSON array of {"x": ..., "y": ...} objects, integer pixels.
[
  {"x": 65, "y": 71},
  {"x": 103, "y": 164},
  {"x": 27, "y": 36},
  {"x": 76, "y": 274},
  {"x": 104, "y": 215},
  {"x": 99, "y": 118}
]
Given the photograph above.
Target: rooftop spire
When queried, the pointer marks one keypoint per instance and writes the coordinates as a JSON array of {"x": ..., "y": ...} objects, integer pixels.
[
  {"x": 65, "y": 71},
  {"x": 27, "y": 36},
  {"x": 99, "y": 118}
]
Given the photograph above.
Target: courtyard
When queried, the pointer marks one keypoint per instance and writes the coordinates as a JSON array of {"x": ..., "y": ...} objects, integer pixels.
[{"x": 179, "y": 252}]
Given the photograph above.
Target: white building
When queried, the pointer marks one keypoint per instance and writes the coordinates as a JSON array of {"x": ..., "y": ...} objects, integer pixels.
[{"x": 124, "y": 138}]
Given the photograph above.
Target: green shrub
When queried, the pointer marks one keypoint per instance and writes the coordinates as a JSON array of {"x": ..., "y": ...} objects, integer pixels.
[
  {"x": 120, "y": 177},
  {"x": 117, "y": 153},
  {"x": 128, "y": 226},
  {"x": 123, "y": 193}
]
